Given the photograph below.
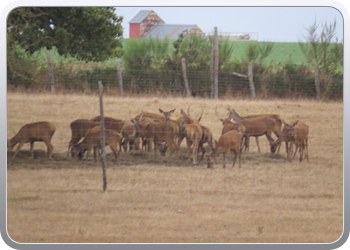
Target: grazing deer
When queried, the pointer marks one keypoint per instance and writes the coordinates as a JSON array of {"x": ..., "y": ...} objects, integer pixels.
[
  {"x": 284, "y": 137},
  {"x": 230, "y": 141},
  {"x": 193, "y": 134},
  {"x": 299, "y": 133},
  {"x": 32, "y": 132},
  {"x": 92, "y": 140},
  {"x": 110, "y": 123},
  {"x": 79, "y": 128},
  {"x": 264, "y": 124},
  {"x": 131, "y": 136}
]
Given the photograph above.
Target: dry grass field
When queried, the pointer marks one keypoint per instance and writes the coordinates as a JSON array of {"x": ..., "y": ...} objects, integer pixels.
[{"x": 267, "y": 200}]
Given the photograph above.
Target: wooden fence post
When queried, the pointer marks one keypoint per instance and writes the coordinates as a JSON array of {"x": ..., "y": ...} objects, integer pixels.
[
  {"x": 102, "y": 122},
  {"x": 184, "y": 72},
  {"x": 317, "y": 83},
  {"x": 51, "y": 76},
  {"x": 251, "y": 82},
  {"x": 216, "y": 63},
  {"x": 120, "y": 77}
]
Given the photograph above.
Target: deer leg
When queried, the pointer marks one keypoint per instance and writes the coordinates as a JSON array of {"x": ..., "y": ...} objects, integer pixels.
[
  {"x": 257, "y": 143},
  {"x": 235, "y": 158},
  {"x": 49, "y": 148},
  {"x": 239, "y": 157},
  {"x": 296, "y": 149},
  {"x": 195, "y": 152},
  {"x": 224, "y": 156},
  {"x": 189, "y": 143},
  {"x": 301, "y": 151},
  {"x": 246, "y": 143},
  {"x": 114, "y": 149},
  {"x": 203, "y": 151},
  {"x": 307, "y": 149}
]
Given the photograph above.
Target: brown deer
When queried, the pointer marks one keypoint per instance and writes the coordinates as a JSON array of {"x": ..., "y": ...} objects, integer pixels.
[
  {"x": 207, "y": 137},
  {"x": 230, "y": 141},
  {"x": 299, "y": 133},
  {"x": 131, "y": 136},
  {"x": 79, "y": 128},
  {"x": 181, "y": 122},
  {"x": 166, "y": 131},
  {"x": 110, "y": 123},
  {"x": 193, "y": 135},
  {"x": 32, "y": 132},
  {"x": 93, "y": 140},
  {"x": 257, "y": 125},
  {"x": 229, "y": 125},
  {"x": 284, "y": 137}
]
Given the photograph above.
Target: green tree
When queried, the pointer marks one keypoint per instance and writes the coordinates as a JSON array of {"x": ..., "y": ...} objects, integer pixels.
[
  {"x": 87, "y": 33},
  {"x": 258, "y": 51},
  {"x": 321, "y": 49},
  {"x": 324, "y": 51}
]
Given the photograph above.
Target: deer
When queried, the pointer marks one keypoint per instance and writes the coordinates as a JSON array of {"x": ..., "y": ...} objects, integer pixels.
[
  {"x": 92, "y": 140},
  {"x": 299, "y": 133},
  {"x": 229, "y": 125},
  {"x": 284, "y": 137},
  {"x": 193, "y": 135},
  {"x": 166, "y": 131},
  {"x": 79, "y": 128},
  {"x": 257, "y": 125},
  {"x": 110, "y": 123},
  {"x": 32, "y": 132},
  {"x": 230, "y": 141},
  {"x": 147, "y": 131},
  {"x": 181, "y": 122},
  {"x": 131, "y": 136},
  {"x": 207, "y": 137}
]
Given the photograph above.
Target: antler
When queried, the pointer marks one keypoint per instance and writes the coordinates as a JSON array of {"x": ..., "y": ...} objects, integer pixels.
[
  {"x": 201, "y": 114},
  {"x": 188, "y": 110}
]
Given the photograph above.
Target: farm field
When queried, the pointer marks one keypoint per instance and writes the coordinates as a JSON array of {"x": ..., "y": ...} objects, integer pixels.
[
  {"x": 161, "y": 200},
  {"x": 282, "y": 53}
]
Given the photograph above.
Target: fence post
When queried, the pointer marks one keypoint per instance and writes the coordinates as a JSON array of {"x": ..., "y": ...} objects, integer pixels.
[
  {"x": 51, "y": 76},
  {"x": 102, "y": 122},
  {"x": 216, "y": 64},
  {"x": 120, "y": 77},
  {"x": 184, "y": 72},
  {"x": 317, "y": 83},
  {"x": 251, "y": 82}
]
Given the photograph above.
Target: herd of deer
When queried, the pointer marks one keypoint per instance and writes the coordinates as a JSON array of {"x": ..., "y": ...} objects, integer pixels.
[{"x": 162, "y": 133}]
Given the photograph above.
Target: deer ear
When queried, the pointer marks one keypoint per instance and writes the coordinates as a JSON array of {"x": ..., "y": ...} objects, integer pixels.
[
  {"x": 296, "y": 123},
  {"x": 161, "y": 111},
  {"x": 182, "y": 112},
  {"x": 172, "y": 111}
]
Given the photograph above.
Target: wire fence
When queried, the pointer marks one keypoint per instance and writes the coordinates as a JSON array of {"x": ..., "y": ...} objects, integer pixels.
[{"x": 267, "y": 85}]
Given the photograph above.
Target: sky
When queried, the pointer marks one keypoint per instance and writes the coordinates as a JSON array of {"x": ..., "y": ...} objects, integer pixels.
[{"x": 276, "y": 24}]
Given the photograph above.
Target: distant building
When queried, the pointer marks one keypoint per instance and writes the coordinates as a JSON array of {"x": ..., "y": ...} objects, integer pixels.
[{"x": 147, "y": 24}]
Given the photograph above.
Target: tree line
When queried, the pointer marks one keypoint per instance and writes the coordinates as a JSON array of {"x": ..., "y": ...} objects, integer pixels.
[{"x": 94, "y": 35}]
